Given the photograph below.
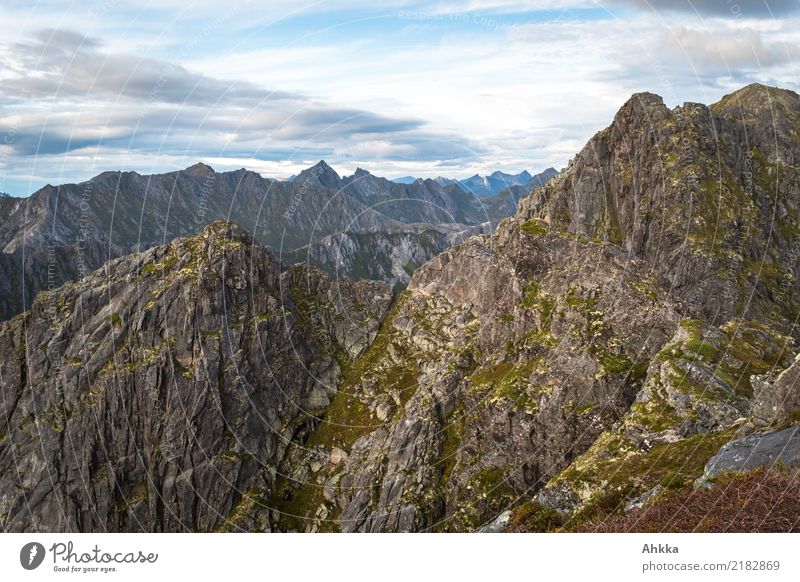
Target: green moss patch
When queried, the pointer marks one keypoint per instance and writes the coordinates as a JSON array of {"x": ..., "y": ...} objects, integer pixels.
[
  {"x": 613, "y": 470},
  {"x": 490, "y": 492},
  {"x": 349, "y": 417},
  {"x": 654, "y": 415},
  {"x": 509, "y": 381},
  {"x": 535, "y": 227},
  {"x": 534, "y": 517}
]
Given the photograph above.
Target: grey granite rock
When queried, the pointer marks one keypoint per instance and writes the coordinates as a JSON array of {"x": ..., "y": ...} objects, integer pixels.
[{"x": 762, "y": 449}]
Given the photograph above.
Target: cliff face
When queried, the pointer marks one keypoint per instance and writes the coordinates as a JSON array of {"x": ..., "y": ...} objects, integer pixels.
[
  {"x": 706, "y": 197},
  {"x": 600, "y": 347},
  {"x": 160, "y": 393},
  {"x": 390, "y": 256},
  {"x": 500, "y": 368}
]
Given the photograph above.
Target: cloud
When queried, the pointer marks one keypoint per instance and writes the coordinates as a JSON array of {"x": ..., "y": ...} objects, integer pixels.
[
  {"x": 726, "y": 8},
  {"x": 441, "y": 148},
  {"x": 722, "y": 52},
  {"x": 121, "y": 100},
  {"x": 64, "y": 64},
  {"x": 62, "y": 40}
]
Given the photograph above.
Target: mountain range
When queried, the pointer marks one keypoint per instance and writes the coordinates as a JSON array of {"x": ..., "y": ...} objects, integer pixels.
[
  {"x": 61, "y": 233},
  {"x": 624, "y": 342},
  {"x": 492, "y": 184}
]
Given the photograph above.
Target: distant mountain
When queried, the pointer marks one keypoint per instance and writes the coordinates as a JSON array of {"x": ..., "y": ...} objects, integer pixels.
[
  {"x": 421, "y": 201},
  {"x": 405, "y": 180},
  {"x": 494, "y": 183},
  {"x": 320, "y": 173},
  {"x": 498, "y": 181},
  {"x": 61, "y": 233},
  {"x": 542, "y": 178}
]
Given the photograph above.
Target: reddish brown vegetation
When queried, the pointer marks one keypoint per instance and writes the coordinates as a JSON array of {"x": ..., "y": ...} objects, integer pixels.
[{"x": 761, "y": 501}]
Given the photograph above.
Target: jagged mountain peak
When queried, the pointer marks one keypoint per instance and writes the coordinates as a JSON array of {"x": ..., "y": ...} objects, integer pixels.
[
  {"x": 542, "y": 177},
  {"x": 321, "y": 173},
  {"x": 199, "y": 169},
  {"x": 206, "y": 323},
  {"x": 322, "y": 166},
  {"x": 641, "y": 108},
  {"x": 111, "y": 174},
  {"x": 760, "y": 91},
  {"x": 647, "y": 98},
  {"x": 524, "y": 175},
  {"x": 361, "y": 173}
]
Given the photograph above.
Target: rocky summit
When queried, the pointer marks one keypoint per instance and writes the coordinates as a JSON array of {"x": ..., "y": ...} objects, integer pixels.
[{"x": 627, "y": 335}]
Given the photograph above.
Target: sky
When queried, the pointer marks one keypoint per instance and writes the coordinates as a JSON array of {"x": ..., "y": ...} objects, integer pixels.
[{"x": 400, "y": 87}]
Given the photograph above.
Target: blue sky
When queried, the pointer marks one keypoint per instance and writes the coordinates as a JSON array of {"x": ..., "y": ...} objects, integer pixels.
[{"x": 446, "y": 88}]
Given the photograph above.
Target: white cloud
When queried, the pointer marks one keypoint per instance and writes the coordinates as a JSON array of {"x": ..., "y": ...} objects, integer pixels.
[{"x": 724, "y": 52}]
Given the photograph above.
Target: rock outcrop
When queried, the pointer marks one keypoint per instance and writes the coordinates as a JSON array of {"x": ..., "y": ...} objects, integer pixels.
[
  {"x": 706, "y": 197},
  {"x": 759, "y": 450},
  {"x": 160, "y": 393}
]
